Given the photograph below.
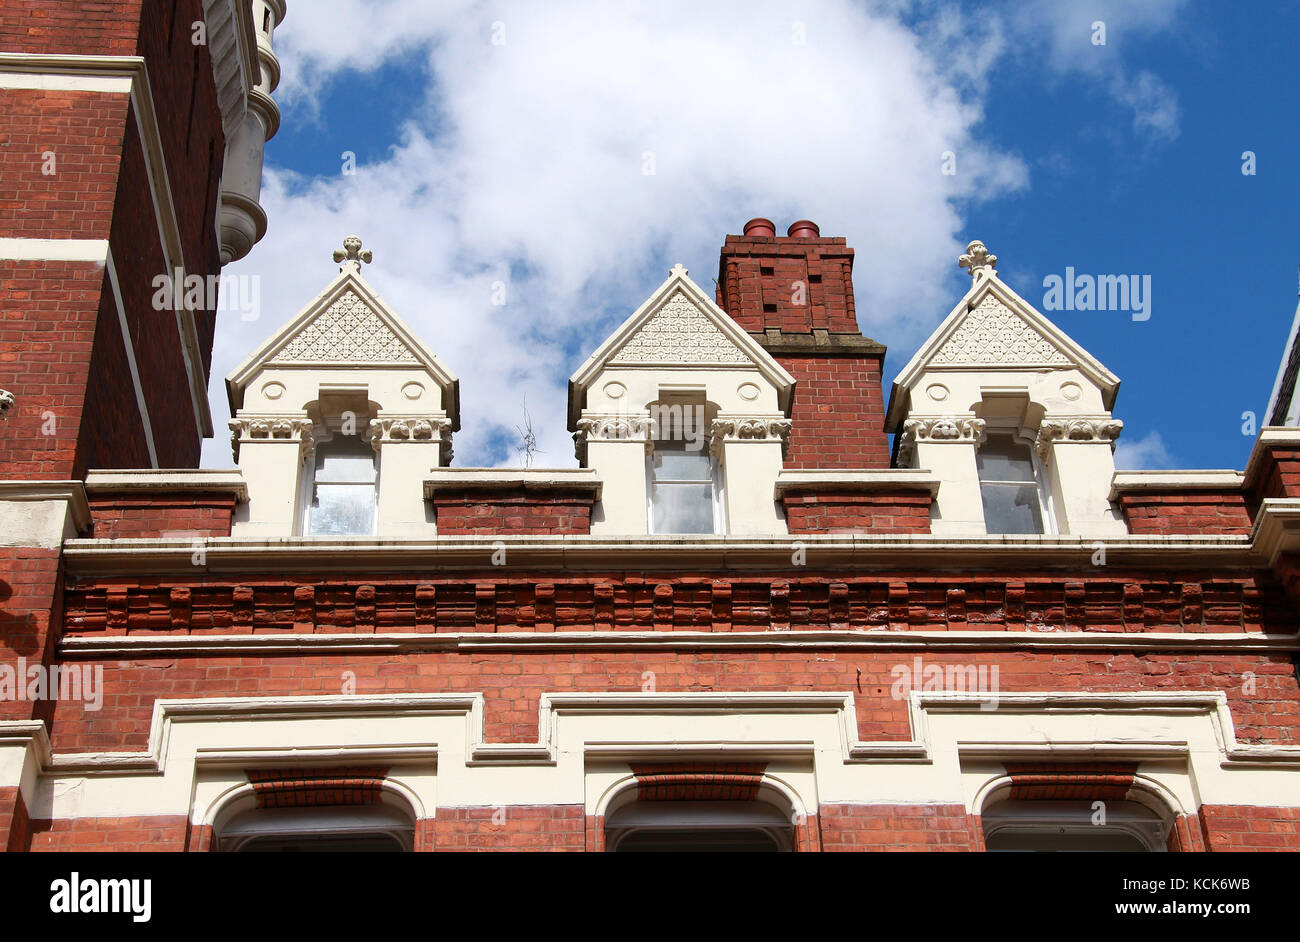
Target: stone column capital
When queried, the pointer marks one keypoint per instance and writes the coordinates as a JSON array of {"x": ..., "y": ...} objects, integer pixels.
[
  {"x": 288, "y": 428},
  {"x": 951, "y": 429},
  {"x": 1076, "y": 429}
]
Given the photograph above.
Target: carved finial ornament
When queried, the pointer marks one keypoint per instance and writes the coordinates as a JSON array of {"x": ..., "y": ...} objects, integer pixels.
[
  {"x": 978, "y": 258},
  {"x": 351, "y": 254}
]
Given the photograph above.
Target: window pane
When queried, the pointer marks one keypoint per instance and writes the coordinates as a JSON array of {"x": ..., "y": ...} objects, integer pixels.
[
  {"x": 343, "y": 509},
  {"x": 347, "y": 458},
  {"x": 1002, "y": 459},
  {"x": 1010, "y": 508},
  {"x": 682, "y": 508},
  {"x": 680, "y": 465}
]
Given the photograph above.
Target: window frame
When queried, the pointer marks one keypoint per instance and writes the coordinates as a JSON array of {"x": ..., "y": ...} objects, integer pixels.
[
  {"x": 716, "y": 481},
  {"x": 307, "y": 481},
  {"x": 1046, "y": 503}
]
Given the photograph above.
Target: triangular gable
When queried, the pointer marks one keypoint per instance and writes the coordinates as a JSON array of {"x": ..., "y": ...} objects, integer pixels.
[
  {"x": 346, "y": 323},
  {"x": 992, "y": 327},
  {"x": 679, "y": 325}
]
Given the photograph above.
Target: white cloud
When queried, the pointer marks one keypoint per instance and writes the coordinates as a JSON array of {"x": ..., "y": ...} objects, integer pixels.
[
  {"x": 1147, "y": 453},
  {"x": 525, "y": 165},
  {"x": 1066, "y": 31}
]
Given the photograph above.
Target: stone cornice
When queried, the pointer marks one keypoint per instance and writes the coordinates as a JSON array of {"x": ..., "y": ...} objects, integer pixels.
[
  {"x": 860, "y": 552},
  {"x": 164, "y": 481},
  {"x": 1173, "y": 482},
  {"x": 493, "y": 479},
  {"x": 1075, "y": 429},
  {"x": 73, "y": 492},
  {"x": 866, "y": 481},
  {"x": 219, "y": 643}
]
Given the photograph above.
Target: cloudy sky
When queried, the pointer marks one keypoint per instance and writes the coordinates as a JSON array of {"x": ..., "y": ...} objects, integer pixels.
[{"x": 575, "y": 150}]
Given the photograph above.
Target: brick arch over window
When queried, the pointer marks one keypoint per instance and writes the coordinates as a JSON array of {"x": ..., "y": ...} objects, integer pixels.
[
  {"x": 1063, "y": 797},
  {"x": 316, "y": 806},
  {"x": 691, "y": 798}
]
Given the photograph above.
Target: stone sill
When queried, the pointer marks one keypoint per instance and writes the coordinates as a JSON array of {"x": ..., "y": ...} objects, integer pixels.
[
  {"x": 857, "y": 482},
  {"x": 501, "y": 479},
  {"x": 162, "y": 481}
]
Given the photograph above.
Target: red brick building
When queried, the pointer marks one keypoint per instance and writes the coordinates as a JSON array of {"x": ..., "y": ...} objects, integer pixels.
[{"x": 744, "y": 620}]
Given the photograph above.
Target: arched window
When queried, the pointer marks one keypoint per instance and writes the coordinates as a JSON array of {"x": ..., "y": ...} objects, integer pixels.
[
  {"x": 1010, "y": 486},
  {"x": 357, "y": 829},
  {"x": 699, "y": 826},
  {"x": 1082, "y": 825},
  {"x": 342, "y": 487}
]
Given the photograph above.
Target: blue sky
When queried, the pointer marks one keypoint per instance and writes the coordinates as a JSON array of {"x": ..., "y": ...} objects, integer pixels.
[{"x": 522, "y": 161}]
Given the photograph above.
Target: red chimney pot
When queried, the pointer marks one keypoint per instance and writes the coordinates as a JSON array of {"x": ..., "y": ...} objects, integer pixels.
[
  {"x": 803, "y": 229},
  {"x": 760, "y": 228}
]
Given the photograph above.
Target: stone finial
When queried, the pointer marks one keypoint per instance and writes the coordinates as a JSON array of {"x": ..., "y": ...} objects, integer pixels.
[
  {"x": 678, "y": 269},
  {"x": 977, "y": 258},
  {"x": 351, "y": 254}
]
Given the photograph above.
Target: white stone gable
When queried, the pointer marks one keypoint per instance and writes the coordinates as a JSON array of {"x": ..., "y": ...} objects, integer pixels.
[
  {"x": 348, "y": 331},
  {"x": 680, "y": 332},
  {"x": 992, "y": 334}
]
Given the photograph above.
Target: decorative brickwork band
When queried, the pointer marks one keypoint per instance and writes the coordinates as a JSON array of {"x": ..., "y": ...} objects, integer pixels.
[
  {"x": 939, "y": 428},
  {"x": 1107, "y": 781},
  {"x": 1089, "y": 428},
  {"x": 272, "y": 428},
  {"x": 690, "y": 781},
  {"x": 304, "y": 788}
]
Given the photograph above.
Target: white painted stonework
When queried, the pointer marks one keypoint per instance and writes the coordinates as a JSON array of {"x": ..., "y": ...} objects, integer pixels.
[
  {"x": 997, "y": 363},
  {"x": 346, "y": 350},
  {"x": 679, "y": 342}
]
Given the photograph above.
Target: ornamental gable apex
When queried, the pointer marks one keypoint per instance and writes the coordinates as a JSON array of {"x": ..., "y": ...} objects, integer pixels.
[
  {"x": 347, "y": 325},
  {"x": 679, "y": 326}
]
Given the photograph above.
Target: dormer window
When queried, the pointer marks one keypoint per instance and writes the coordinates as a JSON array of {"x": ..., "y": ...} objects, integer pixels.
[
  {"x": 1010, "y": 486},
  {"x": 342, "y": 488},
  {"x": 682, "y": 472}
]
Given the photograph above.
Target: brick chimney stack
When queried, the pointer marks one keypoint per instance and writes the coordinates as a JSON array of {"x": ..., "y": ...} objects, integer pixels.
[{"x": 794, "y": 295}]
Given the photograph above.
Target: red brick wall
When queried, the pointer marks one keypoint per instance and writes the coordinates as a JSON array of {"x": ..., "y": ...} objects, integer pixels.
[
  {"x": 56, "y": 26},
  {"x": 48, "y": 313},
  {"x": 898, "y": 828},
  {"x": 1191, "y": 512},
  {"x": 1279, "y": 474},
  {"x": 165, "y": 832},
  {"x": 124, "y": 517},
  {"x": 1247, "y": 827},
  {"x": 513, "y": 682},
  {"x": 15, "y": 827},
  {"x": 29, "y": 598},
  {"x": 511, "y": 827},
  {"x": 838, "y": 412},
  {"x": 512, "y": 511},
  {"x": 827, "y": 511},
  {"x": 84, "y": 130},
  {"x": 759, "y": 279}
]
